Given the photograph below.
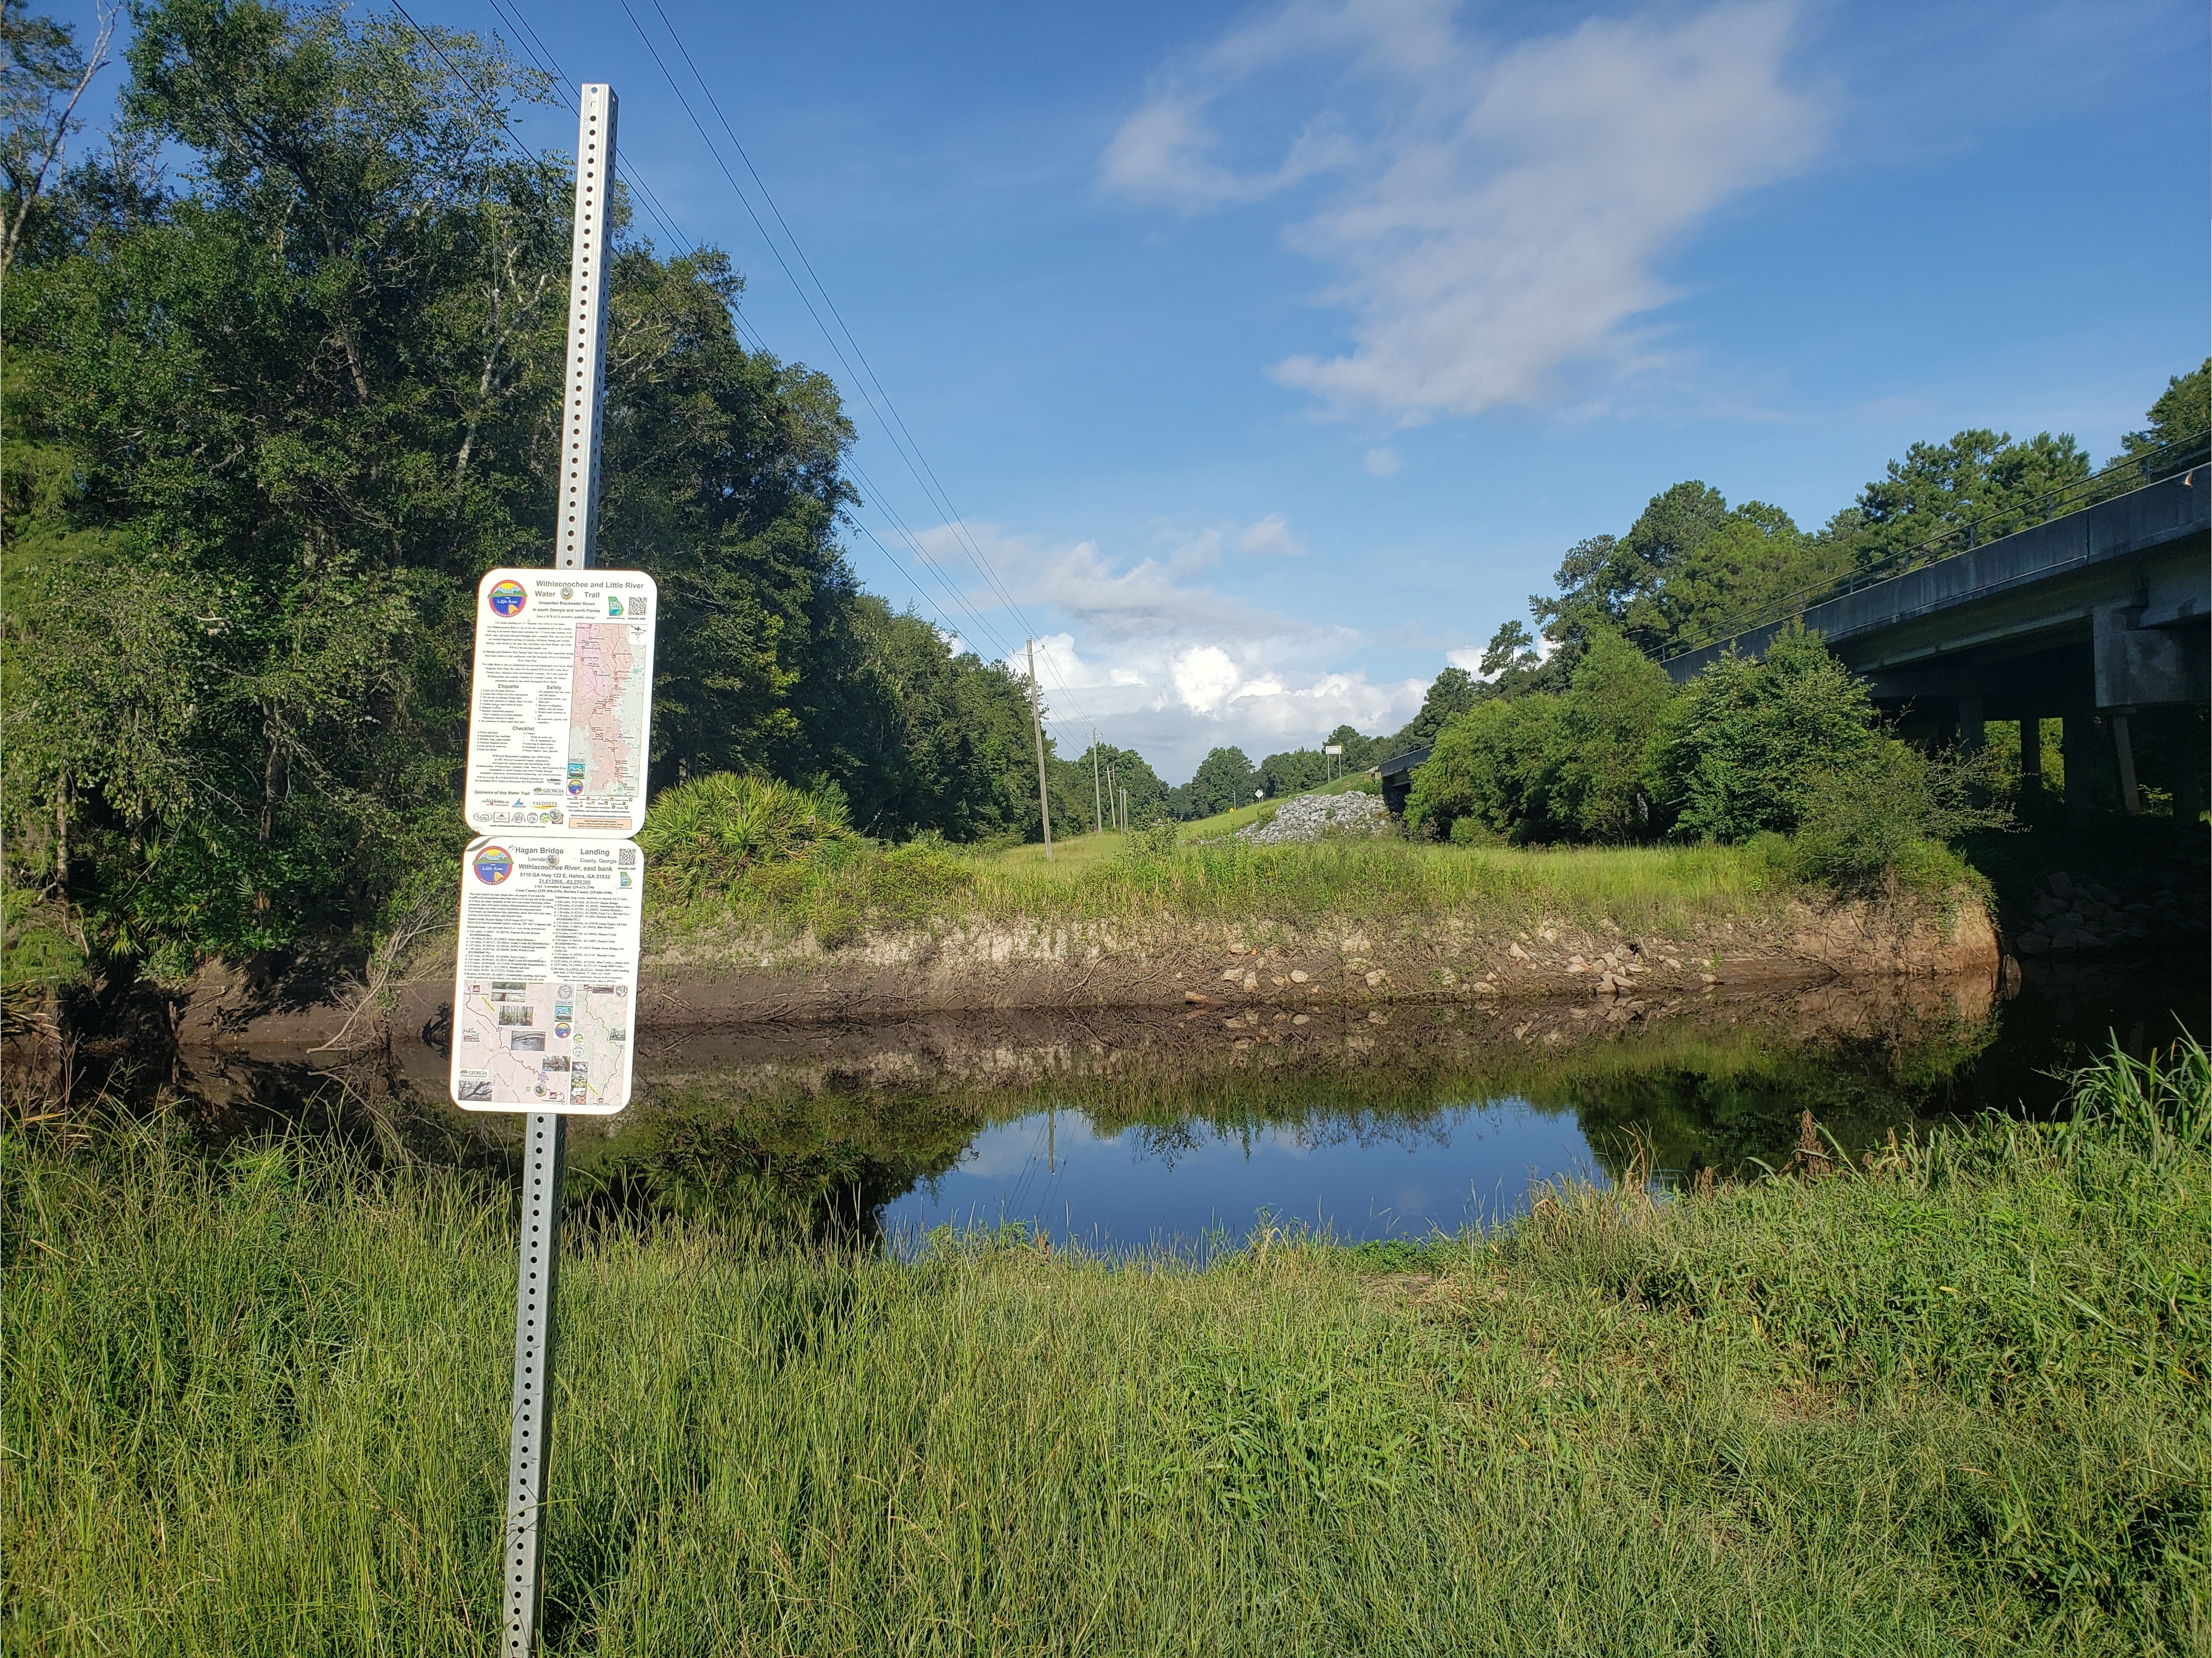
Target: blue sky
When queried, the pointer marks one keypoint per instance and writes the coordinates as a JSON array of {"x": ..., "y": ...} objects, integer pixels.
[{"x": 1270, "y": 355}]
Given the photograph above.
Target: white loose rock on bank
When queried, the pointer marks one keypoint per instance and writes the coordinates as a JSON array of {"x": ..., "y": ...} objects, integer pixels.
[{"x": 1315, "y": 817}]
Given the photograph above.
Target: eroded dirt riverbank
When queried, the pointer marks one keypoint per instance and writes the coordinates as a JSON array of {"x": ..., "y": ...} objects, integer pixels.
[{"x": 711, "y": 980}]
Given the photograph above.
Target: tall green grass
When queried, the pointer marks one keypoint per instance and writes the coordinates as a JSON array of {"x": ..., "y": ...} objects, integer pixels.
[
  {"x": 1952, "y": 1401},
  {"x": 842, "y": 888}
]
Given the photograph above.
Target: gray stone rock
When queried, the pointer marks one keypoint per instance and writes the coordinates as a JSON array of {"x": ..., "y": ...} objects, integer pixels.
[{"x": 1317, "y": 816}]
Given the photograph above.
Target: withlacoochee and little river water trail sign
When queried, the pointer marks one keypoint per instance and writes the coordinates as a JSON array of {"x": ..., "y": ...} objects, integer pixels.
[
  {"x": 561, "y": 712},
  {"x": 545, "y": 998},
  {"x": 552, "y": 895}
]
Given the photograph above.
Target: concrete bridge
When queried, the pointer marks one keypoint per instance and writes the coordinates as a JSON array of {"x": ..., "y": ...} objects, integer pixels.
[{"x": 2090, "y": 619}]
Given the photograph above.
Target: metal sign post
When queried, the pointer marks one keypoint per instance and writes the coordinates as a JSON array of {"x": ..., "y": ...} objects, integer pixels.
[{"x": 546, "y": 1132}]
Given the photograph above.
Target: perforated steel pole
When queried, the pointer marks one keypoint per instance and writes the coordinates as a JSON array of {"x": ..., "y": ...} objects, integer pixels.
[
  {"x": 522, "y": 1563},
  {"x": 545, "y": 1133},
  {"x": 576, "y": 538}
]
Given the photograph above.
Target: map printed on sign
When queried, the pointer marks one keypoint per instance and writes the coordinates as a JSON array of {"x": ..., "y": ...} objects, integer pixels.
[
  {"x": 561, "y": 713},
  {"x": 545, "y": 989}
]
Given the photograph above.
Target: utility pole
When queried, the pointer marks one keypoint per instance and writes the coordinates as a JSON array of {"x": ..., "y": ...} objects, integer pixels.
[
  {"x": 1097, "y": 804},
  {"x": 1037, "y": 725}
]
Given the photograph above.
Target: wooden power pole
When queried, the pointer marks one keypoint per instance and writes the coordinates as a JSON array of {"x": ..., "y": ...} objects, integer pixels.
[{"x": 1037, "y": 725}]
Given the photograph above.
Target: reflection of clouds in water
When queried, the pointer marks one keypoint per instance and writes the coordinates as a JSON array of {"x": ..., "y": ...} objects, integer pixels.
[
  {"x": 1009, "y": 1149},
  {"x": 998, "y": 1153},
  {"x": 1182, "y": 1184}
]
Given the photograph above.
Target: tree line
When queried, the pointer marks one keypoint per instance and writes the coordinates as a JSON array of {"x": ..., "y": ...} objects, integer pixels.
[
  {"x": 1572, "y": 763},
  {"x": 282, "y": 379}
]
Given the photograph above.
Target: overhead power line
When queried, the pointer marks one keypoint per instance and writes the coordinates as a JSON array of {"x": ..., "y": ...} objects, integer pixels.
[
  {"x": 542, "y": 59},
  {"x": 863, "y": 378}
]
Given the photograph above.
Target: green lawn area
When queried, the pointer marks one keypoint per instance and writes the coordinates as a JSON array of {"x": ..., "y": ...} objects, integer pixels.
[
  {"x": 842, "y": 890},
  {"x": 1083, "y": 850},
  {"x": 1952, "y": 1402}
]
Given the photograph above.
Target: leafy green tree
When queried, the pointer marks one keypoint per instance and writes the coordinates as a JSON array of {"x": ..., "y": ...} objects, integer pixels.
[
  {"x": 1223, "y": 778},
  {"x": 44, "y": 75},
  {"x": 1511, "y": 652},
  {"x": 2181, "y": 416},
  {"x": 1862, "y": 823},
  {"x": 1594, "y": 773},
  {"x": 1739, "y": 744},
  {"x": 1293, "y": 771},
  {"x": 1690, "y": 569},
  {"x": 273, "y": 420},
  {"x": 919, "y": 738},
  {"x": 1132, "y": 773},
  {"x": 1358, "y": 752},
  {"x": 1543, "y": 768},
  {"x": 1980, "y": 477},
  {"x": 1488, "y": 771},
  {"x": 1452, "y": 691}
]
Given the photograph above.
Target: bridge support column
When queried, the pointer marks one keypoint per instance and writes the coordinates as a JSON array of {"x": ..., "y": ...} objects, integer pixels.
[
  {"x": 2031, "y": 764},
  {"x": 1970, "y": 724},
  {"x": 2078, "y": 740},
  {"x": 2124, "y": 749}
]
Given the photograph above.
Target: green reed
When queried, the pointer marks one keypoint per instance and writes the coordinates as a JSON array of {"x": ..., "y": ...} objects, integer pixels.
[{"x": 1950, "y": 1399}]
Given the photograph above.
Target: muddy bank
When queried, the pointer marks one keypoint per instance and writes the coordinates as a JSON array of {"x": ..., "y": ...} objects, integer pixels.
[{"x": 708, "y": 979}]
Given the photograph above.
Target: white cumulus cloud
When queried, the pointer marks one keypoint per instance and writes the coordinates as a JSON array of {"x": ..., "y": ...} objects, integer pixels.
[
  {"x": 1497, "y": 213},
  {"x": 1165, "y": 665},
  {"x": 1271, "y": 534}
]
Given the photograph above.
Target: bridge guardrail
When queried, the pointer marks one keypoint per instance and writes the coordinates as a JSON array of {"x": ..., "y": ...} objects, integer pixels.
[{"x": 2183, "y": 455}]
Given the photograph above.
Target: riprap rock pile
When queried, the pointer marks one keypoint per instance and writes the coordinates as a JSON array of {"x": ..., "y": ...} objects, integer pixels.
[{"x": 1315, "y": 817}]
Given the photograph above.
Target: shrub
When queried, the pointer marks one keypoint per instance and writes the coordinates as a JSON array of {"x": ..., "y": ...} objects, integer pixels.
[
  {"x": 1595, "y": 778},
  {"x": 1885, "y": 821},
  {"x": 1488, "y": 765},
  {"x": 1543, "y": 768},
  {"x": 707, "y": 834},
  {"x": 1740, "y": 748},
  {"x": 1155, "y": 839}
]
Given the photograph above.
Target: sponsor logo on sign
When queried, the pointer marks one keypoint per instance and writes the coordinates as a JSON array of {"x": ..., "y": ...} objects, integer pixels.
[
  {"x": 508, "y": 597},
  {"x": 494, "y": 864}
]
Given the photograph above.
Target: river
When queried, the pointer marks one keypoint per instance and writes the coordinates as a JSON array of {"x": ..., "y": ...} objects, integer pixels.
[{"x": 1120, "y": 1132}]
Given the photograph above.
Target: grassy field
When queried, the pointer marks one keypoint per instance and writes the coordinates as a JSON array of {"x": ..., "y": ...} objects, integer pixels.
[
  {"x": 841, "y": 890},
  {"x": 1952, "y": 1401}
]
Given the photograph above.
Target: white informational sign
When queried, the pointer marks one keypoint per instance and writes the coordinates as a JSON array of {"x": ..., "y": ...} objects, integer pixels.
[
  {"x": 545, "y": 988},
  {"x": 561, "y": 715}
]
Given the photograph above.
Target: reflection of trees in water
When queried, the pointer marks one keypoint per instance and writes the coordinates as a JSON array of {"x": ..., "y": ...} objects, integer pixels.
[
  {"x": 1417, "y": 1123},
  {"x": 817, "y": 1166},
  {"x": 762, "y": 1156}
]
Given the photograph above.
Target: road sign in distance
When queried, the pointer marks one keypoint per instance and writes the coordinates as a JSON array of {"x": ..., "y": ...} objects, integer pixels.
[
  {"x": 561, "y": 715},
  {"x": 1332, "y": 747},
  {"x": 546, "y": 985}
]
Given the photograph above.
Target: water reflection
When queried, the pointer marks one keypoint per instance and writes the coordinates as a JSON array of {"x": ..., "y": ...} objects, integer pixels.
[
  {"x": 1156, "y": 1128},
  {"x": 1189, "y": 1185}
]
